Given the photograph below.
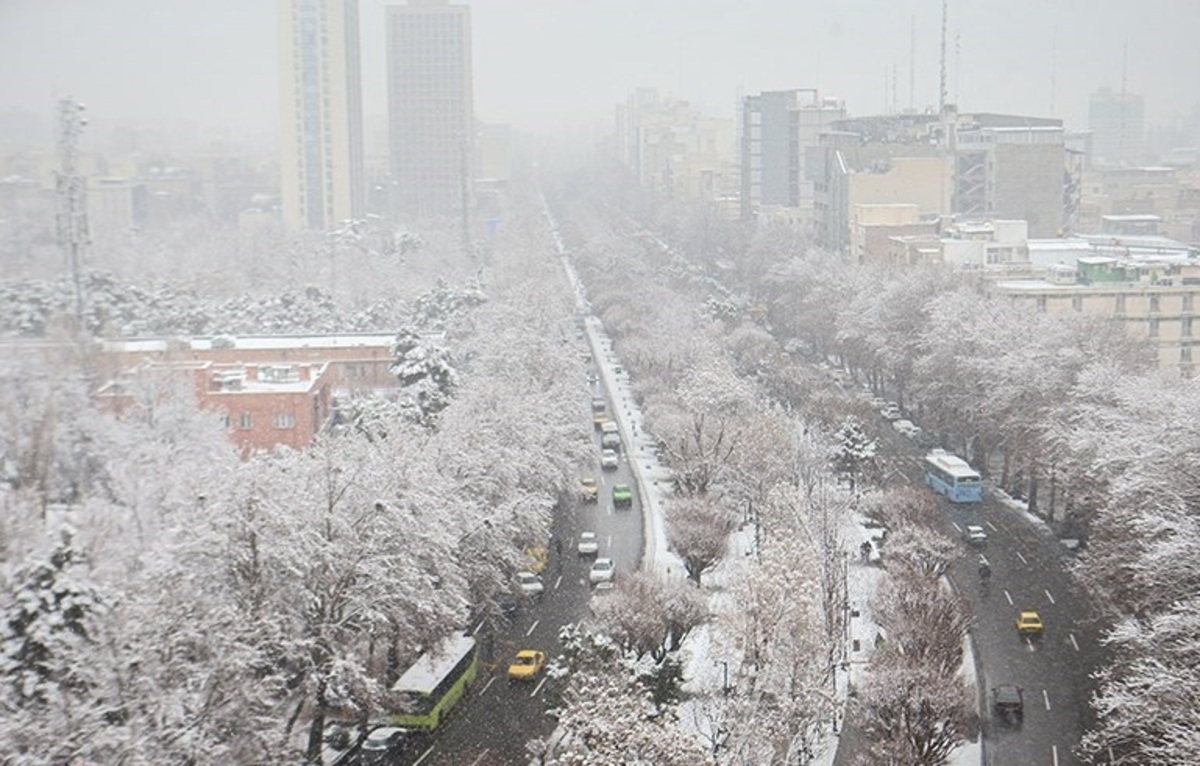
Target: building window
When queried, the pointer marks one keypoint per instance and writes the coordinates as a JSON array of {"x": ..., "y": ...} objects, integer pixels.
[
  {"x": 1187, "y": 301},
  {"x": 1186, "y": 328},
  {"x": 1185, "y": 354},
  {"x": 285, "y": 420},
  {"x": 1077, "y": 302},
  {"x": 1041, "y": 303},
  {"x": 245, "y": 421},
  {"x": 1120, "y": 304},
  {"x": 225, "y": 419},
  {"x": 1153, "y": 328},
  {"x": 1154, "y": 304}
]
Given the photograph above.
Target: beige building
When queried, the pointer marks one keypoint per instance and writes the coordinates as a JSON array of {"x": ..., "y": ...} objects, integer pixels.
[
  {"x": 874, "y": 229},
  {"x": 1156, "y": 300},
  {"x": 320, "y": 113}
]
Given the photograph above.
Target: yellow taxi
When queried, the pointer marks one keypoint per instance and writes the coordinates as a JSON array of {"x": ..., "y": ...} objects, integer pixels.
[
  {"x": 1029, "y": 623},
  {"x": 589, "y": 490},
  {"x": 527, "y": 665}
]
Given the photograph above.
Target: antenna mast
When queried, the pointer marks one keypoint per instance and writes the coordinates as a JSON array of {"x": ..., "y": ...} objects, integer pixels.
[
  {"x": 942, "y": 86},
  {"x": 912, "y": 63}
]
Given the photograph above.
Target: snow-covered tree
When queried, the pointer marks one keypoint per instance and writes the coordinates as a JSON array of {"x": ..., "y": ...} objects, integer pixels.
[{"x": 698, "y": 530}]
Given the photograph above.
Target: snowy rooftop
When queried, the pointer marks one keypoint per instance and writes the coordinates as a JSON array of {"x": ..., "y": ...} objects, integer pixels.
[{"x": 255, "y": 342}]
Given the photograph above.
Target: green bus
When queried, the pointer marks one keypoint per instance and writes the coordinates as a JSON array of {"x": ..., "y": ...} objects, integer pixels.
[{"x": 435, "y": 683}]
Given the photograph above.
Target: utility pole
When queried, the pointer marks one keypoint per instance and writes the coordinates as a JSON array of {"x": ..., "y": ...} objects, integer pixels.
[
  {"x": 71, "y": 191},
  {"x": 942, "y": 80},
  {"x": 464, "y": 188}
]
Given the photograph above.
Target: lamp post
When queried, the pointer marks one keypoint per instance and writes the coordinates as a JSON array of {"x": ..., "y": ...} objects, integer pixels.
[{"x": 725, "y": 685}]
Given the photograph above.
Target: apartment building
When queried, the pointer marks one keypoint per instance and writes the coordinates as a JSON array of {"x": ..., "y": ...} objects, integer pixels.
[{"x": 320, "y": 113}]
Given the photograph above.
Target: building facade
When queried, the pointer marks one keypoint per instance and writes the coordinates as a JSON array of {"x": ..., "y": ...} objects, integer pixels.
[
  {"x": 431, "y": 114},
  {"x": 320, "y": 110}
]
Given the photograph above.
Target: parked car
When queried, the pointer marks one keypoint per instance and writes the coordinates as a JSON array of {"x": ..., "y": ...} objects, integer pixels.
[
  {"x": 1009, "y": 702},
  {"x": 383, "y": 745},
  {"x": 976, "y": 535},
  {"x": 598, "y": 421},
  {"x": 890, "y": 411},
  {"x": 589, "y": 489},
  {"x": 608, "y": 459},
  {"x": 589, "y": 545},
  {"x": 907, "y": 428},
  {"x": 602, "y": 571},
  {"x": 1029, "y": 623},
  {"x": 598, "y": 404},
  {"x": 527, "y": 665},
  {"x": 531, "y": 584},
  {"x": 622, "y": 496}
]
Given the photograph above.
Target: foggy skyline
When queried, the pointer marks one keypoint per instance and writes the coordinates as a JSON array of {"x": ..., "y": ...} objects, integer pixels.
[{"x": 541, "y": 64}]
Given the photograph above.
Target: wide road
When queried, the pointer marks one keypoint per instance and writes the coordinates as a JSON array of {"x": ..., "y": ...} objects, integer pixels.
[
  {"x": 1028, "y": 571},
  {"x": 492, "y": 724}
]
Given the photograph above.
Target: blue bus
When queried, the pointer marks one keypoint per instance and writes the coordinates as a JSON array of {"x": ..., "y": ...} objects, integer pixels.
[{"x": 950, "y": 475}]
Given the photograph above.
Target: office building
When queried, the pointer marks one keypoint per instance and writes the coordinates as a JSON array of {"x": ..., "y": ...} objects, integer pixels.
[
  {"x": 431, "y": 120},
  {"x": 320, "y": 104}
]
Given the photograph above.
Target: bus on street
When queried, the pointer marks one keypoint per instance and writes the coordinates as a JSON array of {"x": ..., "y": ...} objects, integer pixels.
[
  {"x": 951, "y": 476},
  {"x": 436, "y": 682}
]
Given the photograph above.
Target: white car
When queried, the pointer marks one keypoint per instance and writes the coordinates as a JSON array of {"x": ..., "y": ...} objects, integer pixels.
[
  {"x": 608, "y": 459},
  {"x": 602, "y": 571},
  {"x": 588, "y": 544},
  {"x": 890, "y": 411},
  {"x": 906, "y": 427},
  {"x": 531, "y": 584},
  {"x": 976, "y": 534}
]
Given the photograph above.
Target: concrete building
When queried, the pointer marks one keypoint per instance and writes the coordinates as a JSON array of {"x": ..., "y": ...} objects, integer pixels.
[
  {"x": 873, "y": 227},
  {"x": 320, "y": 113},
  {"x": 781, "y": 155},
  {"x": 431, "y": 117},
  {"x": 1117, "y": 123},
  {"x": 116, "y": 210},
  {"x": 1156, "y": 299}
]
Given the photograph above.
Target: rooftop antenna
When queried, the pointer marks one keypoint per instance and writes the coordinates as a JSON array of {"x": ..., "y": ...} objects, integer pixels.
[
  {"x": 1053, "y": 65},
  {"x": 1124, "y": 73},
  {"x": 942, "y": 82},
  {"x": 912, "y": 63}
]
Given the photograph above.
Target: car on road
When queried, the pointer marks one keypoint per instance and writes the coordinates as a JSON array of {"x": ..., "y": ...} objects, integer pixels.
[
  {"x": 608, "y": 459},
  {"x": 975, "y": 535},
  {"x": 611, "y": 441},
  {"x": 598, "y": 404},
  {"x": 589, "y": 489},
  {"x": 907, "y": 428},
  {"x": 527, "y": 665},
  {"x": 890, "y": 411},
  {"x": 598, "y": 420},
  {"x": 589, "y": 545},
  {"x": 602, "y": 571},
  {"x": 1029, "y": 623},
  {"x": 531, "y": 584},
  {"x": 1009, "y": 702},
  {"x": 384, "y": 745},
  {"x": 622, "y": 496}
]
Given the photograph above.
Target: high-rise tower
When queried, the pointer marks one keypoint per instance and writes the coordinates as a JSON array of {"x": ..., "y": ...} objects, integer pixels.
[
  {"x": 320, "y": 111},
  {"x": 431, "y": 120}
]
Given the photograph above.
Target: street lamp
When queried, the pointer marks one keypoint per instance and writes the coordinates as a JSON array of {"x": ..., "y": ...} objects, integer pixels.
[{"x": 725, "y": 685}]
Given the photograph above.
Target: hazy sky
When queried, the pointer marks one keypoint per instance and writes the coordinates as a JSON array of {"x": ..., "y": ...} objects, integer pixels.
[{"x": 542, "y": 63}]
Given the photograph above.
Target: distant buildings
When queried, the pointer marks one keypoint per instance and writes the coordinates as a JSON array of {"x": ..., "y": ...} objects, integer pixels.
[
  {"x": 1117, "y": 123},
  {"x": 320, "y": 124},
  {"x": 781, "y": 131},
  {"x": 431, "y": 119}
]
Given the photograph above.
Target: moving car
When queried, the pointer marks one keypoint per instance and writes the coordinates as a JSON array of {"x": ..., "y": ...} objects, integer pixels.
[
  {"x": 1029, "y": 623},
  {"x": 598, "y": 421},
  {"x": 890, "y": 411},
  {"x": 608, "y": 459},
  {"x": 598, "y": 404},
  {"x": 384, "y": 745},
  {"x": 622, "y": 496},
  {"x": 588, "y": 544},
  {"x": 602, "y": 571},
  {"x": 531, "y": 584},
  {"x": 1009, "y": 702},
  {"x": 976, "y": 535},
  {"x": 611, "y": 441},
  {"x": 526, "y": 665},
  {"x": 589, "y": 490}
]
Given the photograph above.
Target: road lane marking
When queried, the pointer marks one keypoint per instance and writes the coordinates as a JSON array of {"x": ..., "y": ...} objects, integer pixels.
[
  {"x": 957, "y": 527},
  {"x": 1054, "y": 752},
  {"x": 477, "y": 627},
  {"x": 424, "y": 755},
  {"x": 609, "y": 543},
  {"x": 531, "y": 627},
  {"x": 1029, "y": 643},
  {"x": 487, "y": 686},
  {"x": 1046, "y": 698},
  {"x": 983, "y": 559},
  {"x": 1047, "y": 592},
  {"x": 537, "y": 688},
  {"x": 1008, "y": 596},
  {"x": 1074, "y": 643},
  {"x": 993, "y": 526},
  {"x": 479, "y": 760},
  {"x": 557, "y": 582},
  {"x": 1022, "y": 558}
]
